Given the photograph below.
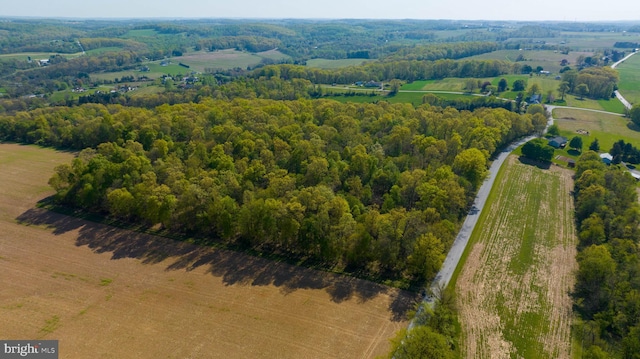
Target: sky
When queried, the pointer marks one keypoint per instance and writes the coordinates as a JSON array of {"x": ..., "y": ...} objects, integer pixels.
[{"x": 538, "y": 10}]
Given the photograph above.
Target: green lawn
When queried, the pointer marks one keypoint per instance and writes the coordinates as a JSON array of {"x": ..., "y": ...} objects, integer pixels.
[
  {"x": 629, "y": 85},
  {"x": 606, "y": 128},
  {"x": 612, "y": 105},
  {"x": 334, "y": 64},
  {"x": 416, "y": 85}
]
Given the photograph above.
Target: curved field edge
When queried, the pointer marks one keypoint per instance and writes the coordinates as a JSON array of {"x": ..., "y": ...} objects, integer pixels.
[
  {"x": 513, "y": 296},
  {"x": 108, "y": 292}
]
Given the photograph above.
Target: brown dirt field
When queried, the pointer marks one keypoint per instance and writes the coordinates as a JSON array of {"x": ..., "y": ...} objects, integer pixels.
[
  {"x": 211, "y": 56},
  {"x": 513, "y": 298},
  {"x": 111, "y": 293}
]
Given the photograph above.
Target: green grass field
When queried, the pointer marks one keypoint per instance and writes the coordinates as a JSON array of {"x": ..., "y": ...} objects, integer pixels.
[
  {"x": 198, "y": 62},
  {"x": 547, "y": 59},
  {"x": 226, "y": 59},
  {"x": 606, "y": 128},
  {"x": 629, "y": 85},
  {"x": 414, "y": 98},
  {"x": 141, "y": 33},
  {"x": 591, "y": 40},
  {"x": 334, "y": 64},
  {"x": 512, "y": 287}
]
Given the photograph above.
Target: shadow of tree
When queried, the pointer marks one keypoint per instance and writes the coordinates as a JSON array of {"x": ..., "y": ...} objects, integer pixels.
[
  {"x": 633, "y": 127},
  {"x": 540, "y": 164},
  {"x": 233, "y": 267}
]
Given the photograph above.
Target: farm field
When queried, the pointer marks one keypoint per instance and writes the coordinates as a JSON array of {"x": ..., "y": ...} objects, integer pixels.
[
  {"x": 198, "y": 62},
  {"x": 225, "y": 59},
  {"x": 35, "y": 56},
  {"x": 629, "y": 85},
  {"x": 112, "y": 293},
  {"x": 513, "y": 290},
  {"x": 334, "y": 64},
  {"x": 605, "y": 127},
  {"x": 549, "y": 60},
  {"x": 593, "y": 40}
]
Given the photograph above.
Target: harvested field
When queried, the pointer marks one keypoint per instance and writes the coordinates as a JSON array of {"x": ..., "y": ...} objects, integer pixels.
[
  {"x": 513, "y": 291},
  {"x": 111, "y": 293},
  {"x": 226, "y": 59}
]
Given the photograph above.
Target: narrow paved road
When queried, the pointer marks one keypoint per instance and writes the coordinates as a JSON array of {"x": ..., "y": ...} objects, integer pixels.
[
  {"x": 462, "y": 239},
  {"x": 453, "y": 257},
  {"x": 618, "y": 94}
]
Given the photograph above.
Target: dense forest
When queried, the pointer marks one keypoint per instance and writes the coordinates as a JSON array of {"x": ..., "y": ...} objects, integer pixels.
[
  {"x": 373, "y": 188},
  {"x": 607, "y": 289}
]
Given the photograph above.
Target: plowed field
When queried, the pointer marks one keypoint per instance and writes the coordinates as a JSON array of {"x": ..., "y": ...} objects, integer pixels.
[{"x": 105, "y": 292}]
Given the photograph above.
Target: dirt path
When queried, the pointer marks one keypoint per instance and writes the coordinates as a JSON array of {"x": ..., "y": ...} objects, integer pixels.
[
  {"x": 513, "y": 292},
  {"x": 111, "y": 293}
]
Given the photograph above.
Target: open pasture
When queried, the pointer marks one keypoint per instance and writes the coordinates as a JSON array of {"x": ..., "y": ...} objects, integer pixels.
[
  {"x": 334, "y": 64},
  {"x": 629, "y": 85},
  {"x": 513, "y": 290},
  {"x": 105, "y": 292},
  {"x": 605, "y": 127},
  {"x": 547, "y": 59},
  {"x": 225, "y": 59}
]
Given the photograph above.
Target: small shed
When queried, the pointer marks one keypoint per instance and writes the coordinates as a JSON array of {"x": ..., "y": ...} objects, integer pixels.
[
  {"x": 558, "y": 142},
  {"x": 606, "y": 158}
]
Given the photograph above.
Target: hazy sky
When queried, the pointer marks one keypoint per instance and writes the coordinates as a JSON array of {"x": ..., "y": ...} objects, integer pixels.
[{"x": 569, "y": 10}]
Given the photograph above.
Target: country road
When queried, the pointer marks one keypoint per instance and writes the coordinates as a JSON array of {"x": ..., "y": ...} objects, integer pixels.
[
  {"x": 462, "y": 239},
  {"x": 616, "y": 92},
  {"x": 452, "y": 260},
  {"x": 455, "y": 253}
]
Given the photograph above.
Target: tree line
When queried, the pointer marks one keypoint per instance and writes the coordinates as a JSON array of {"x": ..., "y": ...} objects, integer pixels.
[
  {"x": 607, "y": 288},
  {"x": 388, "y": 70}
]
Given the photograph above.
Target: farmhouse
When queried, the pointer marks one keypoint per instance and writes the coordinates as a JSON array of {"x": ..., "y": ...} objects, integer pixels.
[
  {"x": 606, "y": 158},
  {"x": 535, "y": 99},
  {"x": 558, "y": 142},
  {"x": 373, "y": 84}
]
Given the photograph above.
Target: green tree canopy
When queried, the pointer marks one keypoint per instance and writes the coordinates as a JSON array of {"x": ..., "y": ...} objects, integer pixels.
[
  {"x": 537, "y": 149},
  {"x": 576, "y": 143}
]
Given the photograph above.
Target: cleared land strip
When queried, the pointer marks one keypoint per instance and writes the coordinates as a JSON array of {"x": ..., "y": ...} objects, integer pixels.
[
  {"x": 513, "y": 291},
  {"x": 106, "y": 292}
]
